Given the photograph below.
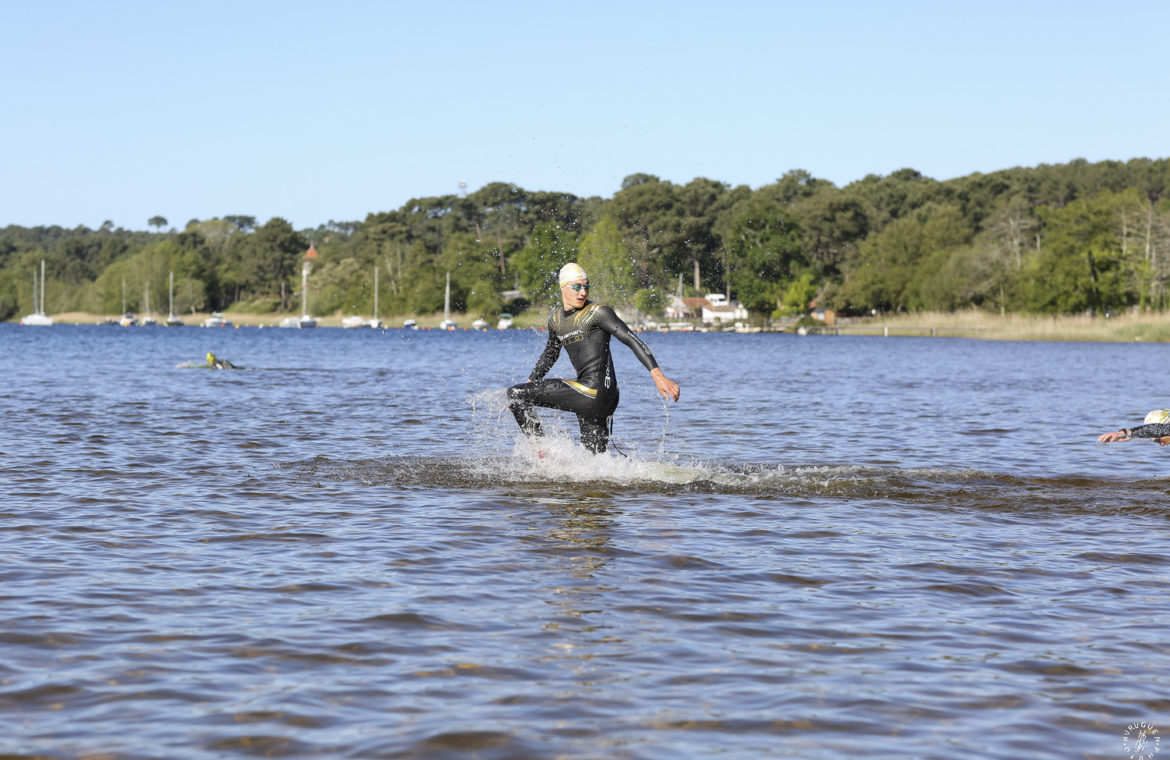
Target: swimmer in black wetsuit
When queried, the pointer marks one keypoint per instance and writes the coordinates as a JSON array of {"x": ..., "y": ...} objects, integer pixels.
[
  {"x": 1155, "y": 426},
  {"x": 584, "y": 329},
  {"x": 213, "y": 362}
]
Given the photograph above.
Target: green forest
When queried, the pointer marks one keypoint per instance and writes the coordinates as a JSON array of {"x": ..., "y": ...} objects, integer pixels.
[{"x": 1072, "y": 238}]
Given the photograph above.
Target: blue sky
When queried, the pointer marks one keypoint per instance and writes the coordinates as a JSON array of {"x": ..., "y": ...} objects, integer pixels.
[{"x": 318, "y": 111}]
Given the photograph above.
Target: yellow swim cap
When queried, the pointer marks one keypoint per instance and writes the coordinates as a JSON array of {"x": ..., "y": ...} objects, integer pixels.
[
  {"x": 571, "y": 271},
  {"x": 1157, "y": 416},
  {"x": 210, "y": 358}
]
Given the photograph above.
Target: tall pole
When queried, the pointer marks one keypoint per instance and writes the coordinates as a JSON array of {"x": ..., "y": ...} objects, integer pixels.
[
  {"x": 42, "y": 311},
  {"x": 375, "y": 291},
  {"x": 305, "y": 288},
  {"x": 447, "y": 300}
]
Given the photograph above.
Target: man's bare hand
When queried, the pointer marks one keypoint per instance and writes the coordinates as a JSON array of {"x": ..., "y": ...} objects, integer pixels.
[{"x": 667, "y": 387}]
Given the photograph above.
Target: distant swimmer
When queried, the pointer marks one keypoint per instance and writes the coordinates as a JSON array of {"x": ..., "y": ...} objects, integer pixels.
[
  {"x": 1155, "y": 426},
  {"x": 583, "y": 328},
  {"x": 215, "y": 363}
]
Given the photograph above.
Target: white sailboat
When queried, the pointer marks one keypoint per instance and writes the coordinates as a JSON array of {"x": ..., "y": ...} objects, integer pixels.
[
  {"x": 38, "y": 318},
  {"x": 304, "y": 320},
  {"x": 447, "y": 323},
  {"x": 353, "y": 320},
  {"x": 147, "y": 319},
  {"x": 128, "y": 318},
  {"x": 172, "y": 320},
  {"x": 375, "y": 322}
]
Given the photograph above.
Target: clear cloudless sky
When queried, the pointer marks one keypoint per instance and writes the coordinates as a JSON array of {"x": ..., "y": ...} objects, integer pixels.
[{"x": 321, "y": 111}]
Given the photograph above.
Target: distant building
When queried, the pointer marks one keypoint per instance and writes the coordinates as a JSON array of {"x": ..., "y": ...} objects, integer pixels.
[
  {"x": 719, "y": 309},
  {"x": 685, "y": 308},
  {"x": 712, "y": 308}
]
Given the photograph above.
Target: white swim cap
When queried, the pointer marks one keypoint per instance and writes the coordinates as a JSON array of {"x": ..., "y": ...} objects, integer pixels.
[
  {"x": 571, "y": 271},
  {"x": 1157, "y": 416}
]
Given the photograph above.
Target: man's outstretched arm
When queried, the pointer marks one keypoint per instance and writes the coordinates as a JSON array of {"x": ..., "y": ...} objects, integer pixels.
[{"x": 1158, "y": 430}]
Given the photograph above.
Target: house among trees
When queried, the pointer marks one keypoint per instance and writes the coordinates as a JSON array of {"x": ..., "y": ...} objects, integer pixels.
[{"x": 712, "y": 308}]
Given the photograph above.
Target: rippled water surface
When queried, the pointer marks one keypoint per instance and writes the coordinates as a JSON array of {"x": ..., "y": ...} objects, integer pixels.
[{"x": 831, "y": 547}]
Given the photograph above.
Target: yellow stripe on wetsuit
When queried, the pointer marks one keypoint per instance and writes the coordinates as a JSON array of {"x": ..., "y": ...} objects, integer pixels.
[{"x": 580, "y": 388}]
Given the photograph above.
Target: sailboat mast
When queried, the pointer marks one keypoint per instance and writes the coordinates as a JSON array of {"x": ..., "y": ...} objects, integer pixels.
[
  {"x": 171, "y": 303},
  {"x": 447, "y": 300},
  {"x": 41, "y": 310},
  {"x": 375, "y": 291}
]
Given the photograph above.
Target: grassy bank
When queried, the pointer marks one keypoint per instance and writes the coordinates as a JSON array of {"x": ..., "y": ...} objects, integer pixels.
[{"x": 974, "y": 324}]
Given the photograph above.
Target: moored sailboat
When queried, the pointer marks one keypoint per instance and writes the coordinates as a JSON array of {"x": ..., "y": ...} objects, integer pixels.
[
  {"x": 447, "y": 323},
  {"x": 38, "y": 318},
  {"x": 148, "y": 319},
  {"x": 172, "y": 320}
]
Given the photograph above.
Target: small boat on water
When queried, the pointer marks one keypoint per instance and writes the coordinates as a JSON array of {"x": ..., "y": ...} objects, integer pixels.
[
  {"x": 410, "y": 324},
  {"x": 480, "y": 324},
  {"x": 505, "y": 321},
  {"x": 38, "y": 318},
  {"x": 216, "y": 320},
  {"x": 301, "y": 322}
]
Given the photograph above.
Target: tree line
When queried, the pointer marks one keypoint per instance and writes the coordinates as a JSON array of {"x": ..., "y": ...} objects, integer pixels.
[{"x": 1053, "y": 239}]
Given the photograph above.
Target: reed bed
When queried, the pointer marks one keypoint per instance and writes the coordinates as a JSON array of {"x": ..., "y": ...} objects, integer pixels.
[{"x": 1152, "y": 327}]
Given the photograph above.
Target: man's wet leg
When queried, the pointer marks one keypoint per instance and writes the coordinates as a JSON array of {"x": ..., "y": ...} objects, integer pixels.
[
  {"x": 522, "y": 409},
  {"x": 594, "y": 434}
]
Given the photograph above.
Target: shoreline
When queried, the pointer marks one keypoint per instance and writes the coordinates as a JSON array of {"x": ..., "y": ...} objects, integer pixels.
[
  {"x": 1127, "y": 328},
  {"x": 243, "y": 319}
]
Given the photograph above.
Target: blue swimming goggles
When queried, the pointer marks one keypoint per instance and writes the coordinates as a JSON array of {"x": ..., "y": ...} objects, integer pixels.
[{"x": 579, "y": 287}]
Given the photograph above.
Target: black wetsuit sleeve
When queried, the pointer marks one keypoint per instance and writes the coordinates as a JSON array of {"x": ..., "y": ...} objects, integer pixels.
[
  {"x": 613, "y": 324},
  {"x": 548, "y": 357},
  {"x": 1156, "y": 430}
]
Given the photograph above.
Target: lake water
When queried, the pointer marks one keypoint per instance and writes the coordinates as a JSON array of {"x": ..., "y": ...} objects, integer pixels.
[{"x": 830, "y": 547}]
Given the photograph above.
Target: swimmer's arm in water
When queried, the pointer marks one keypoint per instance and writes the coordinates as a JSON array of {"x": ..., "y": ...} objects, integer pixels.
[
  {"x": 613, "y": 324},
  {"x": 1158, "y": 431}
]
